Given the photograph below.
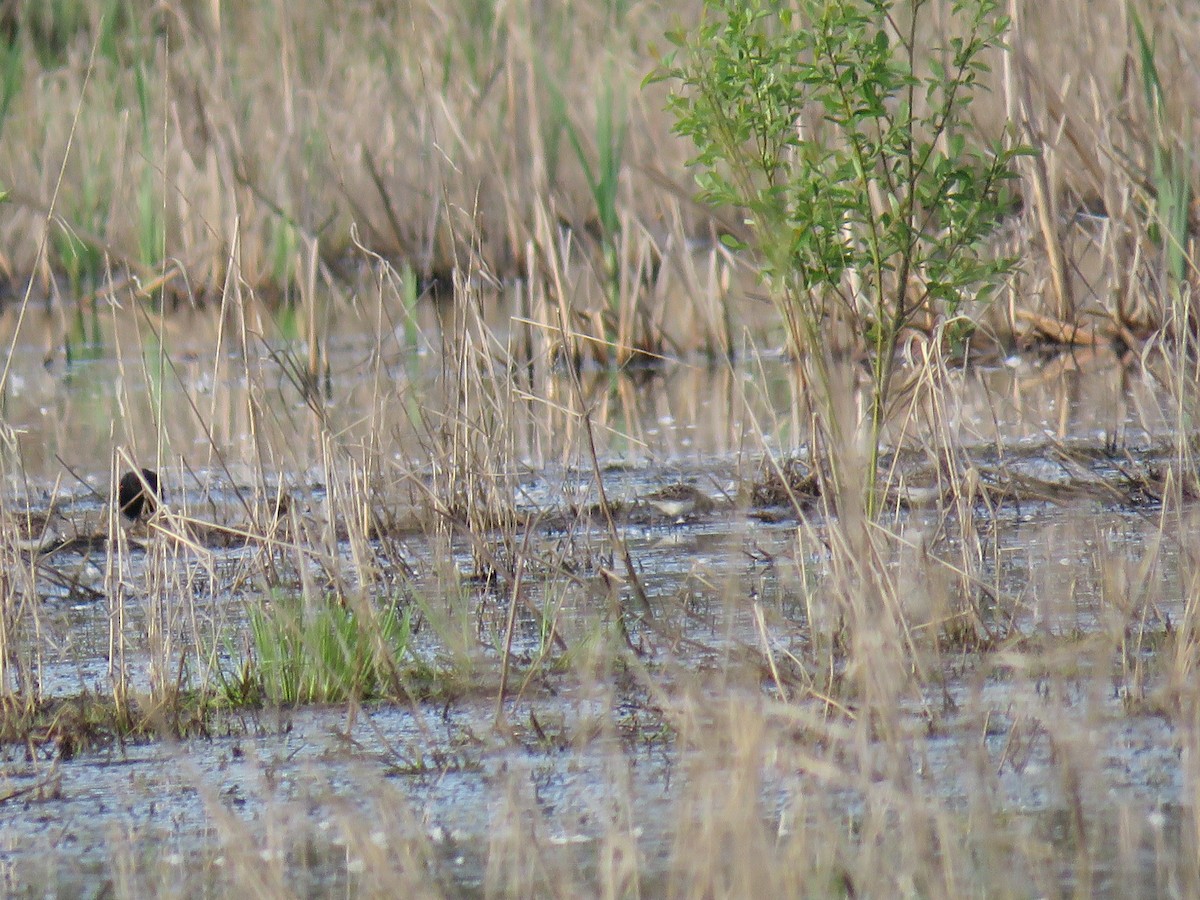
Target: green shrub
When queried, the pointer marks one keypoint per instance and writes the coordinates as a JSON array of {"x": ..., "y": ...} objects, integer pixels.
[{"x": 849, "y": 146}]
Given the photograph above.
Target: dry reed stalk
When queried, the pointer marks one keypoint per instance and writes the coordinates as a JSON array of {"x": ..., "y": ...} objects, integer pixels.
[
  {"x": 452, "y": 123},
  {"x": 1038, "y": 177}
]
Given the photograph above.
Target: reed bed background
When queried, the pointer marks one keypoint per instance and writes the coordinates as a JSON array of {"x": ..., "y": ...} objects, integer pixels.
[
  {"x": 223, "y": 194},
  {"x": 195, "y": 142}
]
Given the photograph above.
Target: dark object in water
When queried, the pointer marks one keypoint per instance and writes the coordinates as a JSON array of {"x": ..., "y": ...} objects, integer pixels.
[{"x": 135, "y": 501}]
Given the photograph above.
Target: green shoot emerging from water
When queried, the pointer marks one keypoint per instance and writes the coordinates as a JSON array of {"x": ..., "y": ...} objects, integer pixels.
[{"x": 324, "y": 655}]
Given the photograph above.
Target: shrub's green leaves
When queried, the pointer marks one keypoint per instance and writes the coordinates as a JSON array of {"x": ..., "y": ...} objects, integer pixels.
[{"x": 852, "y": 152}]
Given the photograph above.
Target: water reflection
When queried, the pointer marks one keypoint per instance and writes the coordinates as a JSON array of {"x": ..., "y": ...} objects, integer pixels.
[{"x": 244, "y": 408}]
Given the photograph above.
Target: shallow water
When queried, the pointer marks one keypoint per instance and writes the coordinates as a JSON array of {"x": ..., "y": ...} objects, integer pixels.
[
  {"x": 317, "y": 789},
  {"x": 312, "y": 799}
]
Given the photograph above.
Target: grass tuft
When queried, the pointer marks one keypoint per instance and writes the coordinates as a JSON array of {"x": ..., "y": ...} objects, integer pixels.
[{"x": 327, "y": 654}]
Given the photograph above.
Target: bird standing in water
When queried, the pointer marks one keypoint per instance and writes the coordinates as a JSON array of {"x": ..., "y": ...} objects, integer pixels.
[{"x": 137, "y": 494}]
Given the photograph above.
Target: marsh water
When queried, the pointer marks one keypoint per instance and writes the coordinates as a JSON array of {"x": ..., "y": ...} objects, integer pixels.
[{"x": 311, "y": 799}]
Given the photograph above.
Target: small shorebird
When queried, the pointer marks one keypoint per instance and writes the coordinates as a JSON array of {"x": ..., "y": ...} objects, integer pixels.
[
  {"x": 679, "y": 501},
  {"x": 137, "y": 494},
  {"x": 37, "y": 531}
]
